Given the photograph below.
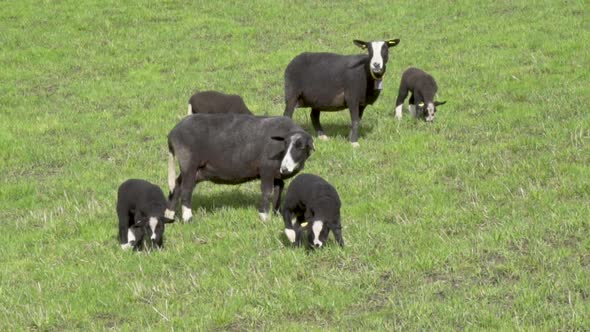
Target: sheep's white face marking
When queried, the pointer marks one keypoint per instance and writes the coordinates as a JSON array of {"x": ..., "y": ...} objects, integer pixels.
[
  {"x": 153, "y": 223},
  {"x": 317, "y": 228},
  {"x": 293, "y": 221},
  {"x": 412, "y": 108},
  {"x": 288, "y": 165},
  {"x": 263, "y": 216},
  {"x": 377, "y": 60},
  {"x": 169, "y": 214},
  {"x": 187, "y": 213},
  {"x": 430, "y": 112},
  {"x": 398, "y": 112},
  {"x": 290, "y": 235}
]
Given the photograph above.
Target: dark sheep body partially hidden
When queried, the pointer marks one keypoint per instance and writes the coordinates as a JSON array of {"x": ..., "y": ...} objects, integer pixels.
[{"x": 216, "y": 102}]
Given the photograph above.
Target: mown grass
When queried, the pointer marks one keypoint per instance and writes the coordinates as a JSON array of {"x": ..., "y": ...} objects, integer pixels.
[{"x": 478, "y": 221}]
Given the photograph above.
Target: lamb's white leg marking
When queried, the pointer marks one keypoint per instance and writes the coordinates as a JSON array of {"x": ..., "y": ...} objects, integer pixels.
[
  {"x": 377, "y": 59},
  {"x": 323, "y": 137},
  {"x": 130, "y": 238},
  {"x": 169, "y": 214},
  {"x": 288, "y": 165},
  {"x": 153, "y": 223},
  {"x": 430, "y": 112},
  {"x": 355, "y": 144},
  {"x": 398, "y": 112},
  {"x": 317, "y": 228},
  {"x": 293, "y": 221},
  {"x": 290, "y": 234},
  {"x": 171, "y": 172},
  {"x": 412, "y": 108},
  {"x": 190, "y": 109},
  {"x": 187, "y": 213},
  {"x": 263, "y": 216}
]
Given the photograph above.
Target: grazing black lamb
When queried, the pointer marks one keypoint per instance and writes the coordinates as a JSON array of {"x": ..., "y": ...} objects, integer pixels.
[
  {"x": 141, "y": 208},
  {"x": 423, "y": 88},
  {"x": 310, "y": 199},
  {"x": 233, "y": 149},
  {"x": 216, "y": 102},
  {"x": 333, "y": 82}
]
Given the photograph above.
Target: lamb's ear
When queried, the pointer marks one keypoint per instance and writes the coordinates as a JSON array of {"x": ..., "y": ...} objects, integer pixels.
[
  {"x": 278, "y": 138},
  {"x": 438, "y": 103},
  {"x": 360, "y": 44},
  {"x": 392, "y": 42}
]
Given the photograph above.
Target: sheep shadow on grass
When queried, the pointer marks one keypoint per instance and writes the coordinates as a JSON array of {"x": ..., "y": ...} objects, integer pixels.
[
  {"x": 341, "y": 130},
  {"x": 234, "y": 198}
]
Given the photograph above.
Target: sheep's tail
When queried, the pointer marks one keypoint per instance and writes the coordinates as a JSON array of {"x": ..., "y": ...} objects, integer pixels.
[
  {"x": 190, "y": 109},
  {"x": 171, "y": 171}
]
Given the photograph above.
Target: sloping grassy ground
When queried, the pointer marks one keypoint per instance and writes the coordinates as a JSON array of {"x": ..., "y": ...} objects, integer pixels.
[{"x": 478, "y": 221}]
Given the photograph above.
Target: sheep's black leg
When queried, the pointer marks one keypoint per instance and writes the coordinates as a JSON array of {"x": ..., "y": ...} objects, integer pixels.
[
  {"x": 290, "y": 104},
  {"x": 277, "y": 191},
  {"x": 290, "y": 221},
  {"x": 412, "y": 106},
  {"x": 266, "y": 186},
  {"x": 361, "y": 111},
  {"x": 399, "y": 102},
  {"x": 174, "y": 195},
  {"x": 315, "y": 121},
  {"x": 354, "y": 116},
  {"x": 124, "y": 220},
  {"x": 186, "y": 192}
]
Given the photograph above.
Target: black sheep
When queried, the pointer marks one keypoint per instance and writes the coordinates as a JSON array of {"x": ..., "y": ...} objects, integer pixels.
[
  {"x": 333, "y": 82},
  {"x": 310, "y": 199}
]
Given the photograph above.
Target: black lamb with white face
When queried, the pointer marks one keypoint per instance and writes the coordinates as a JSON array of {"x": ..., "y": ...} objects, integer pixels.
[
  {"x": 423, "y": 88},
  {"x": 142, "y": 212},
  {"x": 313, "y": 201}
]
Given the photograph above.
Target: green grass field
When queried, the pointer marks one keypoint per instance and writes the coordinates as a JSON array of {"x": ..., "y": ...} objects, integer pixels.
[{"x": 477, "y": 221}]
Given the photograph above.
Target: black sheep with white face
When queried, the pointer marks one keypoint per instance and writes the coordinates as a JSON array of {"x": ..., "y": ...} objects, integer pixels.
[
  {"x": 142, "y": 212},
  {"x": 313, "y": 201}
]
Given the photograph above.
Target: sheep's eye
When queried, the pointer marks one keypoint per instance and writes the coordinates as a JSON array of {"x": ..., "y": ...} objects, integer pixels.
[{"x": 298, "y": 145}]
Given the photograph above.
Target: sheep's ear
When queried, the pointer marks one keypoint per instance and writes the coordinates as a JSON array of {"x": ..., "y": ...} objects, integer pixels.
[
  {"x": 392, "y": 42},
  {"x": 278, "y": 138},
  {"x": 438, "y": 103},
  {"x": 360, "y": 44}
]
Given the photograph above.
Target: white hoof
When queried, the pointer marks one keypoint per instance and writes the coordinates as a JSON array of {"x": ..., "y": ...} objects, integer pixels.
[
  {"x": 187, "y": 214},
  {"x": 355, "y": 144},
  {"x": 264, "y": 216},
  {"x": 323, "y": 137},
  {"x": 126, "y": 246},
  {"x": 169, "y": 214},
  {"x": 290, "y": 235}
]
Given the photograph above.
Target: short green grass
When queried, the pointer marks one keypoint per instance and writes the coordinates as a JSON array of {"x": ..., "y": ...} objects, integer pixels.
[{"x": 477, "y": 221}]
